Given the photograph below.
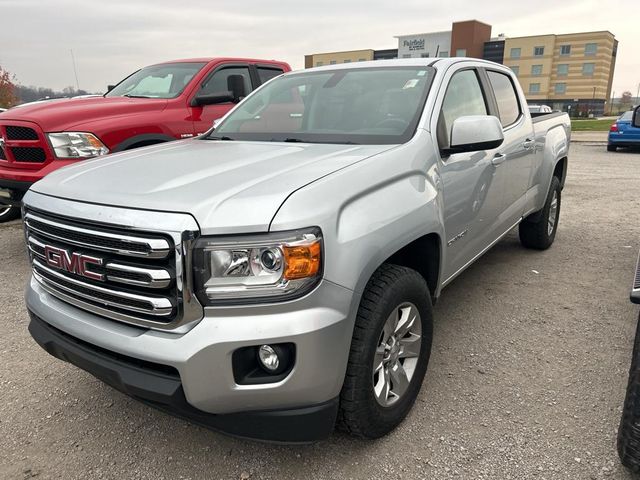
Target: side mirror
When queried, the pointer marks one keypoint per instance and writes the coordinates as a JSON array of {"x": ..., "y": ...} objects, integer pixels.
[
  {"x": 235, "y": 84},
  {"x": 236, "y": 92},
  {"x": 212, "y": 99},
  {"x": 110, "y": 87},
  {"x": 636, "y": 117},
  {"x": 473, "y": 133}
]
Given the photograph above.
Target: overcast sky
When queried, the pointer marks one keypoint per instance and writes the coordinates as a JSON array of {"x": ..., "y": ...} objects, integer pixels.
[{"x": 112, "y": 38}]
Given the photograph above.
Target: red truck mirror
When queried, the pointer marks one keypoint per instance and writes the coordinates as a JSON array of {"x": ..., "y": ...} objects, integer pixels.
[{"x": 236, "y": 92}]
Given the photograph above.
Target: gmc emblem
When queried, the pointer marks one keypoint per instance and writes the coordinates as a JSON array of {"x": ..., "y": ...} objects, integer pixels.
[{"x": 72, "y": 262}]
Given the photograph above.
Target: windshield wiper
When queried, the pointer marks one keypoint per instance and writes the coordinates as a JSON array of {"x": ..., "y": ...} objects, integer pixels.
[
  {"x": 135, "y": 96},
  {"x": 220, "y": 138}
]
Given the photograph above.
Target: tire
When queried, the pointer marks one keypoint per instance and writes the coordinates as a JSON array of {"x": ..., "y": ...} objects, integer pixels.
[
  {"x": 367, "y": 408},
  {"x": 611, "y": 148},
  {"x": 629, "y": 430},
  {"x": 539, "y": 229},
  {"x": 8, "y": 213}
]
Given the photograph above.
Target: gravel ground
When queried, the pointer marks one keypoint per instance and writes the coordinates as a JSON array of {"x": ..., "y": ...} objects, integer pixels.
[{"x": 526, "y": 379}]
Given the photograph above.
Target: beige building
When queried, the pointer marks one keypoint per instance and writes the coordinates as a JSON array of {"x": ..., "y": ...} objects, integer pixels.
[
  {"x": 332, "y": 58},
  {"x": 567, "y": 72}
]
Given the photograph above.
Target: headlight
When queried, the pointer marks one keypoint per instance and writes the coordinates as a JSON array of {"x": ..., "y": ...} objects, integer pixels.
[
  {"x": 76, "y": 145},
  {"x": 259, "y": 268}
]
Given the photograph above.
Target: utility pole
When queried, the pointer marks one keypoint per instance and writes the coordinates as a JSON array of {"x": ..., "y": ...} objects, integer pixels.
[
  {"x": 638, "y": 95},
  {"x": 75, "y": 71}
]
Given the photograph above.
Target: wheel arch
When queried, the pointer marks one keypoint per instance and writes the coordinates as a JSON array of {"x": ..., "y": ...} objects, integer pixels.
[
  {"x": 560, "y": 170},
  {"x": 142, "y": 140}
]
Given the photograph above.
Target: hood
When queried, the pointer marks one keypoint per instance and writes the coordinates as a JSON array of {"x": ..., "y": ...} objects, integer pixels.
[
  {"x": 58, "y": 115},
  {"x": 229, "y": 187}
]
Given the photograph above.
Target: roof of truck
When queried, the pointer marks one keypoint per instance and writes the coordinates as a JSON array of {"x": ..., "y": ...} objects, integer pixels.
[
  {"x": 211, "y": 59},
  {"x": 405, "y": 62}
]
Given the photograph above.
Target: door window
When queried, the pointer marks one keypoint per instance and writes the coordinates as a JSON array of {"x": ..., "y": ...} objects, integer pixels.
[
  {"x": 506, "y": 97},
  {"x": 219, "y": 81},
  {"x": 267, "y": 74},
  {"x": 464, "y": 97}
]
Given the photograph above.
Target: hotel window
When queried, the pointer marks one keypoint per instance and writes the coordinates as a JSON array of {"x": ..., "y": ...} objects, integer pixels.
[
  {"x": 319, "y": 64},
  {"x": 587, "y": 68},
  {"x": 538, "y": 51},
  {"x": 461, "y": 52},
  {"x": 406, "y": 55},
  {"x": 590, "y": 48},
  {"x": 536, "y": 70},
  {"x": 424, "y": 55},
  {"x": 444, "y": 54},
  {"x": 565, "y": 50},
  {"x": 516, "y": 70},
  {"x": 534, "y": 88},
  {"x": 561, "y": 88},
  {"x": 347, "y": 61},
  {"x": 332, "y": 62},
  {"x": 515, "y": 53},
  {"x": 362, "y": 60},
  {"x": 563, "y": 69}
]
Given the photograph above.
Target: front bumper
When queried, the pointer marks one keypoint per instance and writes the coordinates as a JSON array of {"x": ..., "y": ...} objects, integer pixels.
[
  {"x": 299, "y": 408},
  {"x": 157, "y": 386}
]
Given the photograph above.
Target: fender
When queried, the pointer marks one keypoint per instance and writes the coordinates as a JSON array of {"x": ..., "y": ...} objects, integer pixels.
[{"x": 146, "y": 137}]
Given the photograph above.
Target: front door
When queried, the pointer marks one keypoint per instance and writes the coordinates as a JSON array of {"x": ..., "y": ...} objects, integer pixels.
[
  {"x": 217, "y": 82},
  {"x": 473, "y": 183}
]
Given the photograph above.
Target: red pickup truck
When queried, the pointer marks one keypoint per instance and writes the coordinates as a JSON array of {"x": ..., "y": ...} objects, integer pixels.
[{"x": 159, "y": 103}]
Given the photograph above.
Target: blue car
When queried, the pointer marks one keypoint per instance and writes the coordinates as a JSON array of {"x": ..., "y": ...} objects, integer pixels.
[{"x": 623, "y": 134}]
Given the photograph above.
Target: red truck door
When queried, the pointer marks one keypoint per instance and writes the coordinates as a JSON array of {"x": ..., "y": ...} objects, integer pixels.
[{"x": 216, "y": 82}]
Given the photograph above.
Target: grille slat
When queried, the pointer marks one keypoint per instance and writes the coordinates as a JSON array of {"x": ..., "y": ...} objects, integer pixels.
[
  {"x": 15, "y": 132},
  {"x": 92, "y": 238},
  {"x": 28, "y": 154},
  {"x": 150, "y": 277}
]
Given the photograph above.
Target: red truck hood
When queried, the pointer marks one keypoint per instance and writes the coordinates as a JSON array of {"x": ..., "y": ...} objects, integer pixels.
[{"x": 65, "y": 114}]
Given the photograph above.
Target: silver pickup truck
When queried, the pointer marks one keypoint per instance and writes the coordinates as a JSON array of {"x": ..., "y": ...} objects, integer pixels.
[{"x": 276, "y": 275}]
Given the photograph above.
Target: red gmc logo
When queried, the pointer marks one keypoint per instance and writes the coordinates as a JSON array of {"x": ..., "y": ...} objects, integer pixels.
[{"x": 72, "y": 262}]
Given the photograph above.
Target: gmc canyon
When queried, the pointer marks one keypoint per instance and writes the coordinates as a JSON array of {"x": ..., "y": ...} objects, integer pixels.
[
  {"x": 156, "y": 104},
  {"x": 276, "y": 275}
]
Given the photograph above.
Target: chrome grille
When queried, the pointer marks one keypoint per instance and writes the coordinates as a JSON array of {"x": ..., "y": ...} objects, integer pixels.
[{"x": 134, "y": 277}]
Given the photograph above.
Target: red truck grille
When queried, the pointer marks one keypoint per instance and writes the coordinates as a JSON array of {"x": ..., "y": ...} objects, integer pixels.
[{"x": 23, "y": 145}]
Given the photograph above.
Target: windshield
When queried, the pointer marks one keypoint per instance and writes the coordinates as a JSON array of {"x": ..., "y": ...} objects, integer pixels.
[
  {"x": 158, "y": 81},
  {"x": 379, "y": 105}
]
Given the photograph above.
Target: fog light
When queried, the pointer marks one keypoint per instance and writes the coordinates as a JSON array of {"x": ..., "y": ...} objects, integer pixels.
[{"x": 268, "y": 358}]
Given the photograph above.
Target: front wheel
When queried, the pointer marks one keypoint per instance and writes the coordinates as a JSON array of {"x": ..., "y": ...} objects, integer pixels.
[
  {"x": 389, "y": 352},
  {"x": 539, "y": 229},
  {"x": 7, "y": 213}
]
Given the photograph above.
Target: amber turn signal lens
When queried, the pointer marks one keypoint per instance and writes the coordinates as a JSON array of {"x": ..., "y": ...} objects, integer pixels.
[{"x": 301, "y": 261}]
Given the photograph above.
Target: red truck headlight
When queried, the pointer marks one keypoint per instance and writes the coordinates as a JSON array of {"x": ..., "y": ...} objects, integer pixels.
[{"x": 76, "y": 145}]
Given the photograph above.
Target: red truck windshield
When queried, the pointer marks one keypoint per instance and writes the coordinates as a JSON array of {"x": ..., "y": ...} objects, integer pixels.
[{"x": 157, "y": 81}]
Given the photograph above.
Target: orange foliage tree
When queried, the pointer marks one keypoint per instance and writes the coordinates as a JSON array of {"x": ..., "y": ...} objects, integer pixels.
[{"x": 8, "y": 96}]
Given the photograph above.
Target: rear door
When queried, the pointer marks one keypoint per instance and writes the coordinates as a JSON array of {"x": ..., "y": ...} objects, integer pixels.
[{"x": 518, "y": 148}]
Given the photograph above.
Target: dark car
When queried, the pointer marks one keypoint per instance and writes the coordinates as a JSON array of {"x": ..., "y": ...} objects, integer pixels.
[
  {"x": 629, "y": 431},
  {"x": 623, "y": 134}
]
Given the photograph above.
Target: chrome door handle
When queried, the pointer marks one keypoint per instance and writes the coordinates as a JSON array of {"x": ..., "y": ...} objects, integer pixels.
[
  {"x": 498, "y": 159},
  {"x": 529, "y": 144}
]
